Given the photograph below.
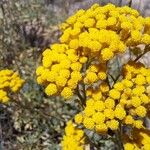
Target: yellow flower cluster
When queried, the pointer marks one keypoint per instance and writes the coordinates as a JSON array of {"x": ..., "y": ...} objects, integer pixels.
[
  {"x": 60, "y": 72},
  {"x": 9, "y": 80},
  {"x": 127, "y": 101},
  {"x": 102, "y": 32},
  {"x": 140, "y": 139},
  {"x": 131, "y": 95},
  {"x": 100, "y": 113},
  {"x": 98, "y": 33},
  {"x": 135, "y": 96},
  {"x": 74, "y": 138}
]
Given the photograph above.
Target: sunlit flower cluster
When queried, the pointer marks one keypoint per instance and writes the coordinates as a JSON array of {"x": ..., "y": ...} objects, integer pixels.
[
  {"x": 135, "y": 97},
  {"x": 139, "y": 139},
  {"x": 9, "y": 80},
  {"x": 102, "y": 32},
  {"x": 74, "y": 138},
  {"x": 127, "y": 101},
  {"x": 99, "y": 113},
  {"x": 131, "y": 95},
  {"x": 60, "y": 71},
  {"x": 98, "y": 33}
]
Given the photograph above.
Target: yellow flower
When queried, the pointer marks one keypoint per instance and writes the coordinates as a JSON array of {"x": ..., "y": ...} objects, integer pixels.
[
  {"x": 113, "y": 124},
  {"x": 67, "y": 93},
  {"x": 89, "y": 22},
  {"x": 146, "y": 39},
  {"x": 136, "y": 35},
  {"x": 101, "y": 128},
  {"x": 99, "y": 105},
  {"x": 138, "y": 90},
  {"x": 3, "y": 96},
  {"x": 107, "y": 54},
  {"x": 39, "y": 70},
  {"x": 102, "y": 75},
  {"x": 109, "y": 113},
  {"x": 144, "y": 99},
  {"x": 126, "y": 25},
  {"x": 101, "y": 24},
  {"x": 72, "y": 84},
  {"x": 141, "y": 111},
  {"x": 76, "y": 66},
  {"x": 74, "y": 44},
  {"x": 104, "y": 87},
  {"x": 119, "y": 86},
  {"x": 97, "y": 95},
  {"x": 83, "y": 60},
  {"x": 120, "y": 113},
  {"x": 140, "y": 80},
  {"x": 64, "y": 73},
  {"x": 51, "y": 89},
  {"x": 109, "y": 103},
  {"x": 51, "y": 76},
  {"x": 91, "y": 77},
  {"x": 114, "y": 94},
  {"x": 98, "y": 118},
  {"x": 76, "y": 75},
  {"x": 127, "y": 83},
  {"x": 111, "y": 21},
  {"x": 78, "y": 118},
  {"x": 129, "y": 120},
  {"x": 61, "y": 81},
  {"x": 135, "y": 101},
  {"x": 88, "y": 123},
  {"x": 89, "y": 111},
  {"x": 138, "y": 124}
]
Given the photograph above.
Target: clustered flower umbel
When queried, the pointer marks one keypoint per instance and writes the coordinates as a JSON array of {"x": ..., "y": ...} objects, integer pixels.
[
  {"x": 105, "y": 31},
  {"x": 99, "y": 33},
  {"x": 60, "y": 71},
  {"x": 90, "y": 38},
  {"x": 128, "y": 101},
  {"x": 9, "y": 80},
  {"x": 139, "y": 139},
  {"x": 74, "y": 138}
]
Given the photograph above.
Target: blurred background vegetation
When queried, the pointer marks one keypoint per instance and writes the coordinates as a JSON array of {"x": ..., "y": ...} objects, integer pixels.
[{"x": 27, "y": 27}]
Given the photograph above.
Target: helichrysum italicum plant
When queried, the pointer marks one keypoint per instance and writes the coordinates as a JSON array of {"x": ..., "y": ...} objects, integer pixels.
[
  {"x": 78, "y": 66},
  {"x": 10, "y": 81}
]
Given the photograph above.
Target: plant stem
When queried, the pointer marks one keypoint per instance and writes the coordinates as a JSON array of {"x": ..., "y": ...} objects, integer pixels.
[
  {"x": 130, "y": 3},
  {"x": 118, "y": 134},
  {"x": 82, "y": 97}
]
